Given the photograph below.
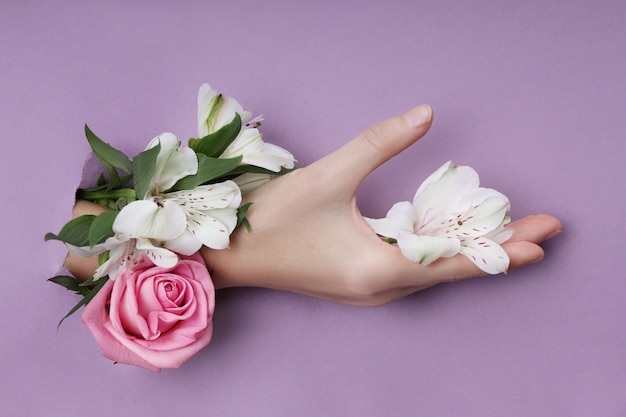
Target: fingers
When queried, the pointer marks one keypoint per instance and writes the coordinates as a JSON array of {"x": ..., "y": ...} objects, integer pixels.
[
  {"x": 356, "y": 159},
  {"x": 523, "y": 249},
  {"x": 536, "y": 228},
  {"x": 523, "y": 253}
]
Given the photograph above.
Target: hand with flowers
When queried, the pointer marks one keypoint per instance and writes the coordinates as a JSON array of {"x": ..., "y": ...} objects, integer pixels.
[
  {"x": 316, "y": 242},
  {"x": 307, "y": 234},
  {"x": 450, "y": 214}
]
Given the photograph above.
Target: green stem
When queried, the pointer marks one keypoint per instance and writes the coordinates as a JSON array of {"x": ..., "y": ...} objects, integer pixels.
[{"x": 94, "y": 195}]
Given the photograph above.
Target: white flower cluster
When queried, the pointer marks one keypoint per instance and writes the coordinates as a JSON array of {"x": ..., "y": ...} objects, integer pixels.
[
  {"x": 450, "y": 214},
  {"x": 165, "y": 223}
]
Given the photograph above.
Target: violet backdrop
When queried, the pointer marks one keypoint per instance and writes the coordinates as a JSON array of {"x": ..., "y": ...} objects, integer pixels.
[{"x": 530, "y": 93}]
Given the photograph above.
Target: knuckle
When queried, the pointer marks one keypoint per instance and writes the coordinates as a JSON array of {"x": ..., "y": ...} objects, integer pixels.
[
  {"x": 374, "y": 137},
  {"x": 362, "y": 287}
]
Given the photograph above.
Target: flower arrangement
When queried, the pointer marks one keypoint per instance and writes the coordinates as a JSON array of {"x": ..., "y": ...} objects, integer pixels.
[{"x": 151, "y": 300}]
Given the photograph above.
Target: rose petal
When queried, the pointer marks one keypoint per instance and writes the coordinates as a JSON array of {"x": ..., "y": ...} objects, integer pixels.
[{"x": 95, "y": 318}]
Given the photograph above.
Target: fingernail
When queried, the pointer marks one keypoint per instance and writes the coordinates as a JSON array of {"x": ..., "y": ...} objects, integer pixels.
[
  {"x": 419, "y": 116},
  {"x": 554, "y": 233},
  {"x": 537, "y": 259}
]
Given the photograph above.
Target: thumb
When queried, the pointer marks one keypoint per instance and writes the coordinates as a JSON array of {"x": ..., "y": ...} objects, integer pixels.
[{"x": 376, "y": 145}]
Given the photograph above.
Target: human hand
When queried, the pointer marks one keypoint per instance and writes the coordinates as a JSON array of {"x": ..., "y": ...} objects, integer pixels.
[{"x": 309, "y": 237}]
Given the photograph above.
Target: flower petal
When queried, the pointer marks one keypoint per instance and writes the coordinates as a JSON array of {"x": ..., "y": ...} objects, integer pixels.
[
  {"x": 443, "y": 189},
  {"x": 162, "y": 257},
  {"x": 401, "y": 216},
  {"x": 146, "y": 219},
  {"x": 182, "y": 163},
  {"x": 271, "y": 157},
  {"x": 216, "y": 110},
  {"x": 250, "y": 181},
  {"x": 117, "y": 258},
  {"x": 426, "y": 249},
  {"x": 255, "y": 151},
  {"x": 487, "y": 209},
  {"x": 485, "y": 254},
  {"x": 501, "y": 234},
  {"x": 207, "y": 197},
  {"x": 172, "y": 163},
  {"x": 214, "y": 227},
  {"x": 249, "y": 140},
  {"x": 433, "y": 178},
  {"x": 186, "y": 243}
]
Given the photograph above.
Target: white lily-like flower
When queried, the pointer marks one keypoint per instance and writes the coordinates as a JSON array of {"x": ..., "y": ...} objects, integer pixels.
[
  {"x": 216, "y": 110},
  {"x": 255, "y": 151},
  {"x": 210, "y": 213},
  {"x": 173, "y": 223},
  {"x": 450, "y": 214},
  {"x": 124, "y": 252},
  {"x": 140, "y": 228},
  {"x": 172, "y": 163},
  {"x": 249, "y": 181}
]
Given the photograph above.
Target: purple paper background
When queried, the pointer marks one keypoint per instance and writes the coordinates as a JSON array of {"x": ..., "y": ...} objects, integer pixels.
[{"x": 530, "y": 93}]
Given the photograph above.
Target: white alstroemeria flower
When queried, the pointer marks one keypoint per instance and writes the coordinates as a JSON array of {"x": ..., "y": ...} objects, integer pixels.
[
  {"x": 450, "y": 214},
  {"x": 216, "y": 110},
  {"x": 172, "y": 163},
  {"x": 249, "y": 181},
  {"x": 140, "y": 228},
  {"x": 255, "y": 151},
  {"x": 130, "y": 250},
  {"x": 210, "y": 213}
]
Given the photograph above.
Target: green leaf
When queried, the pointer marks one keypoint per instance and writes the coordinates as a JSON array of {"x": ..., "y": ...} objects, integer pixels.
[
  {"x": 144, "y": 165},
  {"x": 107, "y": 153},
  {"x": 102, "y": 181},
  {"x": 241, "y": 216},
  {"x": 103, "y": 257},
  {"x": 110, "y": 157},
  {"x": 243, "y": 169},
  {"x": 102, "y": 228},
  {"x": 69, "y": 283},
  {"x": 87, "y": 298},
  {"x": 75, "y": 232},
  {"x": 97, "y": 193},
  {"x": 208, "y": 169},
  {"x": 214, "y": 144}
]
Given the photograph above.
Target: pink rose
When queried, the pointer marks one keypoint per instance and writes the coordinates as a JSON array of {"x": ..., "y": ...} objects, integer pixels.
[{"x": 154, "y": 317}]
